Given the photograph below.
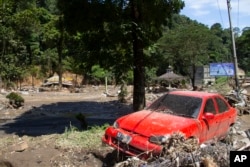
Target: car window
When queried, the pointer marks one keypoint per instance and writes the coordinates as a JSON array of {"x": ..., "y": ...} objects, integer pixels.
[
  {"x": 178, "y": 105},
  {"x": 221, "y": 105},
  {"x": 209, "y": 107}
]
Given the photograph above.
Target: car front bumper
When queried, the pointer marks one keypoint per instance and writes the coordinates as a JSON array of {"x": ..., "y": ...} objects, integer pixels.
[{"x": 131, "y": 143}]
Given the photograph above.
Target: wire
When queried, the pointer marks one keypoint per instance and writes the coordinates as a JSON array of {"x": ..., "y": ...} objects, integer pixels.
[{"x": 220, "y": 13}]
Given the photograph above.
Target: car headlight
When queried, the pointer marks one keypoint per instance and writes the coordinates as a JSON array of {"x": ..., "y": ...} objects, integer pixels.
[
  {"x": 159, "y": 139},
  {"x": 116, "y": 125}
]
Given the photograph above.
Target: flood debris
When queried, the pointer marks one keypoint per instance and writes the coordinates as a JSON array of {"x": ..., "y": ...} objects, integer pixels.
[
  {"x": 242, "y": 102},
  {"x": 180, "y": 152},
  {"x": 244, "y": 142}
]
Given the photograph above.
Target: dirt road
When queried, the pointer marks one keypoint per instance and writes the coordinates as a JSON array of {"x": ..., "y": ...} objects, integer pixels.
[
  {"x": 46, "y": 115},
  {"x": 50, "y": 112}
]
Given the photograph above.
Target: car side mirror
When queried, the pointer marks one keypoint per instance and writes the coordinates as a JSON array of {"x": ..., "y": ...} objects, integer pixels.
[{"x": 208, "y": 115}]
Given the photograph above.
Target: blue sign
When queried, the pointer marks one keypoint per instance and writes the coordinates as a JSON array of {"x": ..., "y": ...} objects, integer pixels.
[{"x": 222, "y": 69}]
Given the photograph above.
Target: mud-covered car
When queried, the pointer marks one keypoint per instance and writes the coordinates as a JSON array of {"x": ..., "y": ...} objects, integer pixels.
[{"x": 200, "y": 115}]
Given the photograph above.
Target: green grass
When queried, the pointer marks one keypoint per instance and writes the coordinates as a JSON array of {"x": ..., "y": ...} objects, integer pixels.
[{"x": 73, "y": 138}]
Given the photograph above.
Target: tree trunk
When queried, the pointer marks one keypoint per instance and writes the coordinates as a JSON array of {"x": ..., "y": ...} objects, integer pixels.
[
  {"x": 193, "y": 77},
  {"x": 139, "y": 69},
  {"x": 32, "y": 81},
  {"x": 59, "y": 50}
]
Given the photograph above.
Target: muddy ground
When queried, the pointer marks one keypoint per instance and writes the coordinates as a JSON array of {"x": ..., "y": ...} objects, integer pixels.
[{"x": 45, "y": 116}]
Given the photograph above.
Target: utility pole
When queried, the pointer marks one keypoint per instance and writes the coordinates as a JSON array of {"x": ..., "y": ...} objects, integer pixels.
[{"x": 234, "y": 51}]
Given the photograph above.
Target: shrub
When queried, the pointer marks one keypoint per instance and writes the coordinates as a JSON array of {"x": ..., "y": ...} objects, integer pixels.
[{"x": 15, "y": 99}]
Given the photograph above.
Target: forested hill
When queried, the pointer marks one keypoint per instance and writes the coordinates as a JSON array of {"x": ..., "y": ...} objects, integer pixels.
[{"x": 39, "y": 38}]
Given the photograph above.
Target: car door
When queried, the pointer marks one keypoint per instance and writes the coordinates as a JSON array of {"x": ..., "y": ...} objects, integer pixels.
[
  {"x": 223, "y": 117},
  {"x": 209, "y": 126}
]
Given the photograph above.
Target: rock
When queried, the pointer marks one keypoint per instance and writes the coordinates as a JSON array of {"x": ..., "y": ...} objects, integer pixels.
[{"x": 20, "y": 146}]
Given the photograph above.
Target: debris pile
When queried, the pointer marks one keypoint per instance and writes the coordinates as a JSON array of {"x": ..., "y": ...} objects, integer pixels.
[
  {"x": 185, "y": 153},
  {"x": 240, "y": 100}
]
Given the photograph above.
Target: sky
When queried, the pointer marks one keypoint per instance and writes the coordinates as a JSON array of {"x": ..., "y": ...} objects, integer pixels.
[{"x": 210, "y": 12}]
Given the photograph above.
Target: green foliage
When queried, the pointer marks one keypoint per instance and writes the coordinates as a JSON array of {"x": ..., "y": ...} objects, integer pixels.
[
  {"x": 15, "y": 99},
  {"x": 243, "y": 50},
  {"x": 49, "y": 62},
  {"x": 185, "y": 45},
  {"x": 94, "y": 129},
  {"x": 98, "y": 73},
  {"x": 221, "y": 80},
  {"x": 21, "y": 33},
  {"x": 219, "y": 50},
  {"x": 34, "y": 71},
  {"x": 150, "y": 75},
  {"x": 129, "y": 78},
  {"x": 97, "y": 39},
  {"x": 222, "y": 85},
  {"x": 116, "y": 33},
  {"x": 190, "y": 44}
]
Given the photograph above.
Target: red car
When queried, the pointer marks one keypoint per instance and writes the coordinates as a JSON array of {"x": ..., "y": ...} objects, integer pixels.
[{"x": 195, "y": 114}]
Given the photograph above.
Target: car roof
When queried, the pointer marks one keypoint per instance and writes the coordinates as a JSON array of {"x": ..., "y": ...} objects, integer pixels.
[{"x": 193, "y": 93}]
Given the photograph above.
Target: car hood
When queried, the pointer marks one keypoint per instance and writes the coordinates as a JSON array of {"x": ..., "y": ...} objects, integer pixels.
[{"x": 148, "y": 123}]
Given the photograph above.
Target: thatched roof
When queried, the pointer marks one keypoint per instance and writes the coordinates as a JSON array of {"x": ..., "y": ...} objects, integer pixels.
[{"x": 170, "y": 76}]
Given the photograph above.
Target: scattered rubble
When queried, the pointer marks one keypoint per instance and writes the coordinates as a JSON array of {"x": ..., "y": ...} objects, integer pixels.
[{"x": 182, "y": 152}]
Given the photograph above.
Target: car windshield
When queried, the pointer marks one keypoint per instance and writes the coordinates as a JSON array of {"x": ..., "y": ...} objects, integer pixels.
[{"x": 186, "y": 106}]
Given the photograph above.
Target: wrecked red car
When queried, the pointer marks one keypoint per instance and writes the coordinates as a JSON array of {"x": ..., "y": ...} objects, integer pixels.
[{"x": 199, "y": 115}]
